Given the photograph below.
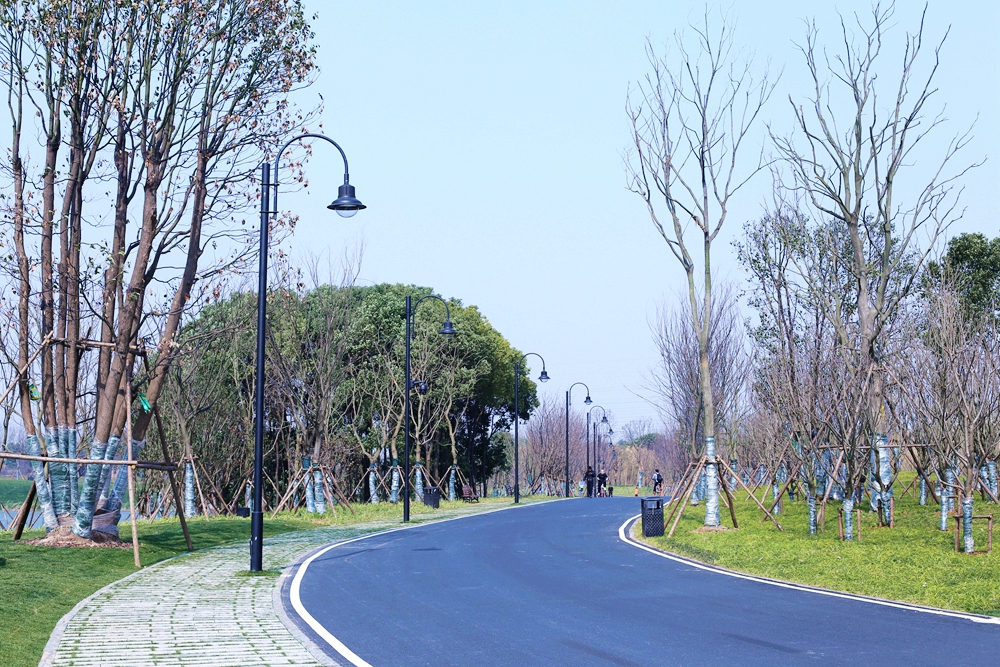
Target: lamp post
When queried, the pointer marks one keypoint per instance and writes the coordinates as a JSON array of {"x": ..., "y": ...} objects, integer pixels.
[
  {"x": 598, "y": 438},
  {"x": 604, "y": 420},
  {"x": 346, "y": 205},
  {"x": 586, "y": 401},
  {"x": 448, "y": 331},
  {"x": 544, "y": 377}
]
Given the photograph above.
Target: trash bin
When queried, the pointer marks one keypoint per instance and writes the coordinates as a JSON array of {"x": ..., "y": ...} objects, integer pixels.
[
  {"x": 652, "y": 517},
  {"x": 432, "y": 498}
]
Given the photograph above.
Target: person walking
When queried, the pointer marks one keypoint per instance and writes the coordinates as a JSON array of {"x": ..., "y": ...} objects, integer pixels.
[
  {"x": 657, "y": 483},
  {"x": 602, "y": 484},
  {"x": 589, "y": 478}
]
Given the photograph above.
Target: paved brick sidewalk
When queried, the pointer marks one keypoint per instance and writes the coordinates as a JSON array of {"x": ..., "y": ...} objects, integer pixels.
[{"x": 196, "y": 610}]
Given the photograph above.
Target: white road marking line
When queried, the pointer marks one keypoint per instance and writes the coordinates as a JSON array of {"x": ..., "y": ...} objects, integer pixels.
[
  {"x": 317, "y": 627},
  {"x": 975, "y": 618}
]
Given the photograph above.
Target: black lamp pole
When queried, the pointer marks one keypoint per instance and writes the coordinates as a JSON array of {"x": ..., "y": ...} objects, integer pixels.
[
  {"x": 544, "y": 377},
  {"x": 346, "y": 205},
  {"x": 586, "y": 401},
  {"x": 604, "y": 418},
  {"x": 447, "y": 330}
]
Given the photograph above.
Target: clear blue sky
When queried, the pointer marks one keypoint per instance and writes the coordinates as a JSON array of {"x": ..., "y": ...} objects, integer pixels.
[{"x": 486, "y": 139}]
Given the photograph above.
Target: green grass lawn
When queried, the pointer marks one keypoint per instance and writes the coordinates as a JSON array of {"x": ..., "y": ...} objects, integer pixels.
[
  {"x": 13, "y": 491},
  {"x": 913, "y": 562},
  {"x": 38, "y": 585}
]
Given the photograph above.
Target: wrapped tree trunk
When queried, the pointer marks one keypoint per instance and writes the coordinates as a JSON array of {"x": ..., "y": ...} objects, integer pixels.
[
  {"x": 848, "y": 518},
  {"x": 394, "y": 496},
  {"x": 189, "y": 508},
  {"x": 372, "y": 484},
  {"x": 42, "y": 490},
  {"x": 319, "y": 495}
]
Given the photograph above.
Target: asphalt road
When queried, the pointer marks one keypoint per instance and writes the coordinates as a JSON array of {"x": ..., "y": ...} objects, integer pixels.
[{"x": 553, "y": 584}]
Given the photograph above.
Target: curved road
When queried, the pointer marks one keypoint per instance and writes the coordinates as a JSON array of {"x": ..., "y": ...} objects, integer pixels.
[{"x": 554, "y": 584}]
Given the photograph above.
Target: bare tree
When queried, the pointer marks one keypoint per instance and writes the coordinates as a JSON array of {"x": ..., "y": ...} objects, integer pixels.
[
  {"x": 690, "y": 120},
  {"x": 858, "y": 234},
  {"x": 677, "y": 380}
]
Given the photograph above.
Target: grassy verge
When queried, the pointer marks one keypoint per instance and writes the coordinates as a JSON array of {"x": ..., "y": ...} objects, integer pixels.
[
  {"x": 913, "y": 562},
  {"x": 38, "y": 585},
  {"x": 13, "y": 491}
]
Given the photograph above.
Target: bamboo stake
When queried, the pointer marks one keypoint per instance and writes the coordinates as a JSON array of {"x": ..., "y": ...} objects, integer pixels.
[
  {"x": 151, "y": 465},
  {"x": 130, "y": 470}
]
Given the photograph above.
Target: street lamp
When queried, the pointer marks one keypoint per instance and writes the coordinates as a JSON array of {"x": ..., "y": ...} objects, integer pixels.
[
  {"x": 604, "y": 420},
  {"x": 544, "y": 377},
  {"x": 346, "y": 205},
  {"x": 586, "y": 401},
  {"x": 447, "y": 330}
]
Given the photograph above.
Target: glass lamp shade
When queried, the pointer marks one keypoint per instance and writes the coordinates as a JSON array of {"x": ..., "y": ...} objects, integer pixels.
[
  {"x": 544, "y": 377},
  {"x": 448, "y": 330},
  {"x": 346, "y": 204}
]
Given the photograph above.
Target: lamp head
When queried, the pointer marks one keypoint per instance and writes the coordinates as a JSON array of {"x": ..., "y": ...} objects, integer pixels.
[
  {"x": 604, "y": 419},
  {"x": 447, "y": 330},
  {"x": 587, "y": 400},
  {"x": 346, "y": 204},
  {"x": 544, "y": 377},
  {"x": 611, "y": 431}
]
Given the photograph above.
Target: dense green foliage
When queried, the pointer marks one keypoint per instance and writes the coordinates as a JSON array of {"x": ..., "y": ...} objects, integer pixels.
[
  {"x": 334, "y": 386},
  {"x": 973, "y": 262}
]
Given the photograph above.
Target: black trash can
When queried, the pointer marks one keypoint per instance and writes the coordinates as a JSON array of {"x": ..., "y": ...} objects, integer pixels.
[
  {"x": 432, "y": 498},
  {"x": 652, "y": 517}
]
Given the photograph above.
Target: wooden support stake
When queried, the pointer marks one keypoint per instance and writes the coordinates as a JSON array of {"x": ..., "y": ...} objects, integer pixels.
[
  {"x": 292, "y": 488},
  {"x": 22, "y": 514},
  {"x": 340, "y": 493},
  {"x": 759, "y": 504},
  {"x": 689, "y": 485},
  {"x": 832, "y": 479},
  {"x": 920, "y": 471},
  {"x": 130, "y": 471},
  {"x": 170, "y": 474},
  {"x": 684, "y": 502},
  {"x": 783, "y": 489},
  {"x": 732, "y": 505},
  {"x": 21, "y": 371},
  {"x": 197, "y": 483},
  {"x": 681, "y": 483}
]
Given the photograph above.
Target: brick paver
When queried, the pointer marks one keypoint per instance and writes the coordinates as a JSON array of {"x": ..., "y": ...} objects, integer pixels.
[{"x": 196, "y": 610}]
